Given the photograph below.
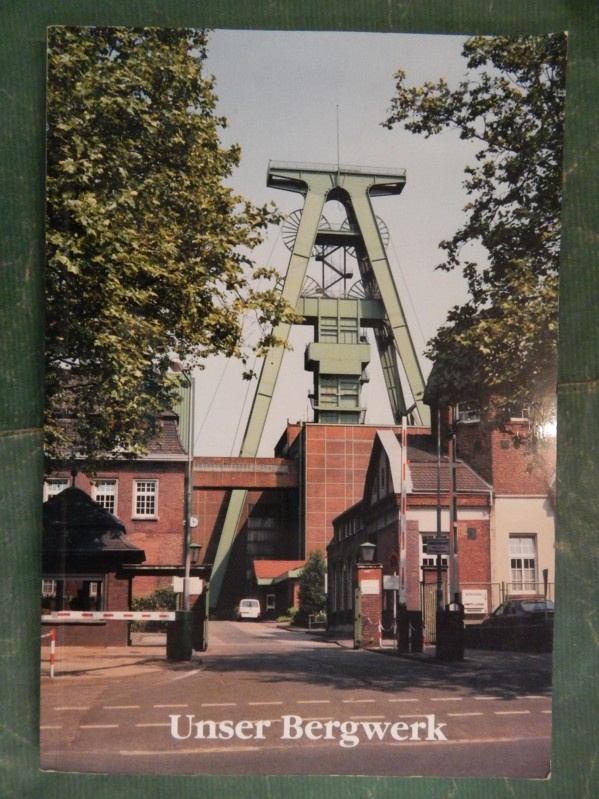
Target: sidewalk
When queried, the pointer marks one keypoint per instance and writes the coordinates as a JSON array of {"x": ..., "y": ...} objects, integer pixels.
[{"x": 148, "y": 653}]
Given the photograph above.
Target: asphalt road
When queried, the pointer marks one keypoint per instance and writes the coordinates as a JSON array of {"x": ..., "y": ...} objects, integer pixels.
[{"x": 263, "y": 700}]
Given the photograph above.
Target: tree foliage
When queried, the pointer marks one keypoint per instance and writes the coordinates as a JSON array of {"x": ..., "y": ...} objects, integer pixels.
[
  {"x": 148, "y": 251},
  {"x": 312, "y": 597},
  {"x": 501, "y": 344}
]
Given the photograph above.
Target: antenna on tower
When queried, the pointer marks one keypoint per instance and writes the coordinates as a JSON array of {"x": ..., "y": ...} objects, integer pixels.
[{"x": 338, "y": 151}]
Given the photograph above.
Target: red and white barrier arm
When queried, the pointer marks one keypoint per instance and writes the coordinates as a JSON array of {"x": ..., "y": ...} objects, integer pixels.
[{"x": 106, "y": 615}]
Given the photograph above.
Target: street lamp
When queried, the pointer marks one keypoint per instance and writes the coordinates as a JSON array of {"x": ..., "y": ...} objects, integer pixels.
[
  {"x": 195, "y": 553},
  {"x": 367, "y": 552},
  {"x": 180, "y": 640},
  {"x": 177, "y": 366}
]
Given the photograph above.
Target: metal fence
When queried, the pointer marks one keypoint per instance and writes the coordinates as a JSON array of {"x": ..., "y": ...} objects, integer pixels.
[{"x": 479, "y": 600}]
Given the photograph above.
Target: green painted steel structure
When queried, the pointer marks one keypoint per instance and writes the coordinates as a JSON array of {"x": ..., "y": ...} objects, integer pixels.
[{"x": 339, "y": 354}]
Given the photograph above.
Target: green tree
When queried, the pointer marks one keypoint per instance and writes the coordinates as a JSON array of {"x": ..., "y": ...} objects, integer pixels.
[
  {"x": 312, "y": 597},
  {"x": 148, "y": 251},
  {"x": 500, "y": 346}
]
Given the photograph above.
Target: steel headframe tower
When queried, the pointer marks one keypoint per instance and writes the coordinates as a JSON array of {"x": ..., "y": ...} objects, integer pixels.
[{"x": 339, "y": 354}]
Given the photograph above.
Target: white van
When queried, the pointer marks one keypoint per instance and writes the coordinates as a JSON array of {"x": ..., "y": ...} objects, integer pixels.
[{"x": 247, "y": 609}]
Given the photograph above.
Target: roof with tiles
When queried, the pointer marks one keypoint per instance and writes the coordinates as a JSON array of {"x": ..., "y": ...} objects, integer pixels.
[
  {"x": 78, "y": 530},
  {"x": 422, "y": 461},
  {"x": 167, "y": 441}
]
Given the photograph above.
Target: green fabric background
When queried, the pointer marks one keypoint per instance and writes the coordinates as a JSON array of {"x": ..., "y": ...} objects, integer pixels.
[{"x": 22, "y": 90}]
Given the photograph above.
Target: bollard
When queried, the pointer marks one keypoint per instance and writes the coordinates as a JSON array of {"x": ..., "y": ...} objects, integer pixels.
[
  {"x": 52, "y": 636},
  {"x": 52, "y": 651}
]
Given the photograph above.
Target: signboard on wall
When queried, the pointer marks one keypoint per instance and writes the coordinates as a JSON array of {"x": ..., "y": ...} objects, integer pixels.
[{"x": 475, "y": 600}]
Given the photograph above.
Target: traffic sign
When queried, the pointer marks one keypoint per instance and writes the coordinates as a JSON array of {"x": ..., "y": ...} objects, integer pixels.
[{"x": 437, "y": 546}]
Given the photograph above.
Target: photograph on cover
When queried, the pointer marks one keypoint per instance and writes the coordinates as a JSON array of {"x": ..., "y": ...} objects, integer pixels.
[{"x": 301, "y": 335}]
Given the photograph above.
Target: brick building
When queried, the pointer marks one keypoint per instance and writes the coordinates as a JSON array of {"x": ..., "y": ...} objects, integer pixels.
[
  {"x": 146, "y": 495},
  {"x": 84, "y": 551},
  {"x": 376, "y": 518},
  {"x": 297, "y": 500},
  {"x": 522, "y": 472}
]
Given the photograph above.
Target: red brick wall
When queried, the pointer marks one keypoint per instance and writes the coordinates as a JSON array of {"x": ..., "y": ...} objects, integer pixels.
[
  {"x": 515, "y": 469},
  {"x": 160, "y": 538},
  {"x": 336, "y": 460},
  {"x": 504, "y": 458},
  {"x": 474, "y": 553},
  {"x": 109, "y": 633}
]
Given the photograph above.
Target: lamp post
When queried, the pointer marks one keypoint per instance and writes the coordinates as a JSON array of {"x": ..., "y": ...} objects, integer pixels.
[
  {"x": 183, "y": 648},
  {"x": 367, "y": 552},
  {"x": 178, "y": 367}
]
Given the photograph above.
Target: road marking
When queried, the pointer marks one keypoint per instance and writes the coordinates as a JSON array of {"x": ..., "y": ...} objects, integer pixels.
[
  {"x": 50, "y": 726},
  {"x": 487, "y": 698},
  {"x": 313, "y": 701},
  {"x": 448, "y": 699},
  {"x": 218, "y": 704},
  {"x": 121, "y": 707},
  {"x": 318, "y": 744},
  {"x": 511, "y": 712},
  {"x": 197, "y": 751},
  {"x": 153, "y": 724},
  {"x": 459, "y": 715},
  {"x": 185, "y": 704},
  {"x": 97, "y": 726},
  {"x": 83, "y": 707},
  {"x": 547, "y": 711},
  {"x": 526, "y": 696},
  {"x": 403, "y": 700},
  {"x": 469, "y": 741}
]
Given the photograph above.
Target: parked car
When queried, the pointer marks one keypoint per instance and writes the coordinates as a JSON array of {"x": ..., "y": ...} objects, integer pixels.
[
  {"x": 247, "y": 609},
  {"x": 520, "y": 623}
]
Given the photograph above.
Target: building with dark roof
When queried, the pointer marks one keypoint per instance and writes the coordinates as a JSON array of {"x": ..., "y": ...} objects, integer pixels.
[
  {"x": 84, "y": 550},
  {"x": 147, "y": 495},
  {"x": 376, "y": 519}
]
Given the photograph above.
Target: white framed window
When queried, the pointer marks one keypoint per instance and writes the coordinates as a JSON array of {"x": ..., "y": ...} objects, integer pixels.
[
  {"x": 104, "y": 492},
  {"x": 54, "y": 486},
  {"x": 145, "y": 499},
  {"x": 270, "y": 602},
  {"x": 523, "y": 563},
  {"x": 48, "y": 589}
]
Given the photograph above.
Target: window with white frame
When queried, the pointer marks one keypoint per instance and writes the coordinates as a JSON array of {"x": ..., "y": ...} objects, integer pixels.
[
  {"x": 523, "y": 562},
  {"x": 145, "y": 498},
  {"x": 48, "y": 589},
  {"x": 104, "y": 492},
  {"x": 54, "y": 486}
]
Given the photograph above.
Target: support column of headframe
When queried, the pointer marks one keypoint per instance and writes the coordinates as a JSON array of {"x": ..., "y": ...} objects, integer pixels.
[
  {"x": 353, "y": 187},
  {"x": 315, "y": 189},
  {"x": 395, "y": 334}
]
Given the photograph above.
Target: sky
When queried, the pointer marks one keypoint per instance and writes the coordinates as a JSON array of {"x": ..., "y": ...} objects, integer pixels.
[{"x": 320, "y": 97}]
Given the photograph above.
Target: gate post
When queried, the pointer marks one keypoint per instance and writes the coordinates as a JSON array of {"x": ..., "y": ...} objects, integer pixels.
[
  {"x": 367, "y": 628},
  {"x": 357, "y": 617},
  {"x": 201, "y": 613}
]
